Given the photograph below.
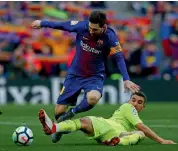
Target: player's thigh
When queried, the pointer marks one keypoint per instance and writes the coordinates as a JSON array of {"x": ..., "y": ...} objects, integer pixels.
[
  {"x": 69, "y": 97},
  {"x": 69, "y": 92},
  {"x": 93, "y": 88},
  {"x": 94, "y": 83},
  {"x": 64, "y": 101},
  {"x": 100, "y": 127}
]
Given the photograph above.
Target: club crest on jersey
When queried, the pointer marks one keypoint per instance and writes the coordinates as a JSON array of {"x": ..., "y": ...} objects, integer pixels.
[
  {"x": 100, "y": 42},
  {"x": 134, "y": 111},
  {"x": 73, "y": 22}
]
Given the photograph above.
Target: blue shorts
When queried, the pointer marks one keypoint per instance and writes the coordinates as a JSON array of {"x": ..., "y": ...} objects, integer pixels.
[{"x": 73, "y": 86}]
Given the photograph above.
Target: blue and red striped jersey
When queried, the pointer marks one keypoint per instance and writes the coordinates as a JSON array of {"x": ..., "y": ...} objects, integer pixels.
[{"x": 91, "y": 53}]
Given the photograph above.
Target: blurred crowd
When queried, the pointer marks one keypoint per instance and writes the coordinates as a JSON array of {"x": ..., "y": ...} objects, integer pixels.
[{"x": 149, "y": 38}]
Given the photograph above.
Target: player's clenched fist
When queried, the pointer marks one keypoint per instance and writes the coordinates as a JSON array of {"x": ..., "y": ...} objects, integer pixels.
[{"x": 36, "y": 24}]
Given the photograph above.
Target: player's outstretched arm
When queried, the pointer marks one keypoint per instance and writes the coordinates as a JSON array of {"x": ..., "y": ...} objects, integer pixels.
[
  {"x": 119, "y": 58},
  {"x": 70, "y": 26},
  {"x": 149, "y": 133}
]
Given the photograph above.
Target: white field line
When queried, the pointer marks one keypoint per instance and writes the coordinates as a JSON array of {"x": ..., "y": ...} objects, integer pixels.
[
  {"x": 159, "y": 120},
  {"x": 19, "y": 123},
  {"x": 164, "y": 126},
  {"x": 38, "y": 124}
]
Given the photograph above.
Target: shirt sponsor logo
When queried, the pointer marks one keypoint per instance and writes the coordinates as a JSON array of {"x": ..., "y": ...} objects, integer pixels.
[{"x": 89, "y": 49}]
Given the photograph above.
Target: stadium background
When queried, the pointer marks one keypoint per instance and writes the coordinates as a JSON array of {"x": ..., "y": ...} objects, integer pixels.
[{"x": 33, "y": 64}]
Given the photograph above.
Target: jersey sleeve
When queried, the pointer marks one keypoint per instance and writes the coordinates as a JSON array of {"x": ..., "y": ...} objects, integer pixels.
[
  {"x": 114, "y": 44},
  {"x": 131, "y": 114},
  {"x": 117, "y": 54},
  {"x": 70, "y": 26}
]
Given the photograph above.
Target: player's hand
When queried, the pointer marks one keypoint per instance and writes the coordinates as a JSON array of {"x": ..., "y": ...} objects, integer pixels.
[
  {"x": 168, "y": 142},
  {"x": 131, "y": 86},
  {"x": 36, "y": 24}
]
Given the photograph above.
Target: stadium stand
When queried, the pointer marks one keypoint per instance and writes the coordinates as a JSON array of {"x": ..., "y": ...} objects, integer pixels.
[{"x": 149, "y": 38}]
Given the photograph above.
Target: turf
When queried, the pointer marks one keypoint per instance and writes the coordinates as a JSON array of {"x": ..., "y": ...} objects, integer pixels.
[{"x": 161, "y": 117}]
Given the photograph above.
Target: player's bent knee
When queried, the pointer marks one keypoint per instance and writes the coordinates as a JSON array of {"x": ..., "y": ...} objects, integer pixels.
[
  {"x": 86, "y": 126},
  {"x": 93, "y": 97},
  {"x": 85, "y": 122},
  {"x": 92, "y": 100}
]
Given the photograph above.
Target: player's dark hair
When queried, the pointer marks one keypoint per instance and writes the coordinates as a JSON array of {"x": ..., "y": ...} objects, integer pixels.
[
  {"x": 142, "y": 94},
  {"x": 98, "y": 17}
]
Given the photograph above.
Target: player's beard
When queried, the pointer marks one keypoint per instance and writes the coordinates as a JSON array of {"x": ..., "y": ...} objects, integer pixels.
[
  {"x": 93, "y": 36},
  {"x": 96, "y": 36}
]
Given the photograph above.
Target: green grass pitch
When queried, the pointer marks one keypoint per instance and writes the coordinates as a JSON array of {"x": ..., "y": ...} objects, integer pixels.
[{"x": 161, "y": 117}]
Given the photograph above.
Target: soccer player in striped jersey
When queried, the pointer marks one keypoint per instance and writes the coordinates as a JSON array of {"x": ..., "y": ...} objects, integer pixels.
[{"x": 95, "y": 41}]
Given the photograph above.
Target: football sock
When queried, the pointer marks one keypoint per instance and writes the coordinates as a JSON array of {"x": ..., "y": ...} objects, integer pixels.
[
  {"x": 82, "y": 107},
  {"x": 68, "y": 126},
  {"x": 131, "y": 139}
]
